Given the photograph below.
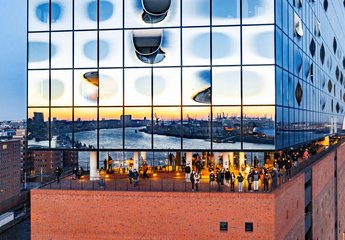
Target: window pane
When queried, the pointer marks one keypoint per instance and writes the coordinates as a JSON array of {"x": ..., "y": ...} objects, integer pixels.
[
  {"x": 196, "y": 128},
  {"x": 38, "y": 15},
  {"x": 110, "y": 87},
  {"x": 196, "y": 13},
  {"x": 110, "y": 48},
  {"x": 38, "y": 50},
  {"x": 226, "y": 86},
  {"x": 110, "y": 14},
  {"x": 259, "y": 85},
  {"x": 196, "y": 46},
  {"x": 85, "y": 128},
  {"x": 196, "y": 86},
  {"x": 137, "y": 123},
  {"x": 38, "y": 127},
  {"x": 85, "y": 49},
  {"x": 258, "y": 11},
  {"x": 258, "y": 127},
  {"x": 85, "y": 87},
  {"x": 226, "y": 128},
  {"x": 166, "y": 86},
  {"x": 110, "y": 128},
  {"x": 226, "y": 46},
  {"x": 85, "y": 14},
  {"x": 61, "y": 87},
  {"x": 38, "y": 88},
  {"x": 61, "y": 43},
  {"x": 258, "y": 45},
  {"x": 61, "y": 15},
  {"x": 61, "y": 127},
  {"x": 225, "y": 12},
  {"x": 167, "y": 128},
  {"x": 138, "y": 87}
]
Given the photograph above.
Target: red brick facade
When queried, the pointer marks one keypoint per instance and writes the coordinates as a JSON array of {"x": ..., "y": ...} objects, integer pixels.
[{"x": 67, "y": 214}]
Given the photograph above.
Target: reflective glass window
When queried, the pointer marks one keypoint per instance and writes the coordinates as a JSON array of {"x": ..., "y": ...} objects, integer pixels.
[
  {"x": 61, "y": 46},
  {"x": 38, "y": 50},
  {"x": 61, "y": 17},
  {"x": 257, "y": 11},
  {"x": 226, "y": 86},
  {"x": 258, "y": 44},
  {"x": 85, "y": 87},
  {"x": 110, "y": 87},
  {"x": 85, "y": 49},
  {"x": 110, "y": 48},
  {"x": 110, "y": 13},
  {"x": 166, "y": 86},
  {"x": 110, "y": 128},
  {"x": 61, "y": 87},
  {"x": 226, "y": 46},
  {"x": 61, "y": 128},
  {"x": 259, "y": 85},
  {"x": 196, "y": 86},
  {"x": 138, "y": 87},
  {"x": 196, "y": 12},
  {"x": 225, "y": 12},
  {"x": 85, "y": 14},
  {"x": 38, "y": 15},
  {"x": 85, "y": 128},
  {"x": 196, "y": 46},
  {"x": 38, "y": 128},
  {"x": 38, "y": 88}
]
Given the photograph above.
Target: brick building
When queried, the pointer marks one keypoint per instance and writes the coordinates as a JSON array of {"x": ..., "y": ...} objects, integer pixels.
[{"x": 10, "y": 151}]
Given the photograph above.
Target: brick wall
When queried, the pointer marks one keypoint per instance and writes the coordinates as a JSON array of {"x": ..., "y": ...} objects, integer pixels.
[{"x": 341, "y": 191}]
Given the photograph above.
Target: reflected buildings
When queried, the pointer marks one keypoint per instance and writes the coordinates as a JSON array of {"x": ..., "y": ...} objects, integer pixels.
[{"x": 170, "y": 75}]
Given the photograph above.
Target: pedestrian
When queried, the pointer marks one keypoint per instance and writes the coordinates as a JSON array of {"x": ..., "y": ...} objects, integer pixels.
[
  {"x": 295, "y": 159},
  {"x": 227, "y": 176},
  {"x": 130, "y": 175},
  {"x": 256, "y": 178},
  {"x": 102, "y": 173},
  {"x": 222, "y": 174},
  {"x": 250, "y": 180},
  {"x": 212, "y": 178},
  {"x": 197, "y": 180},
  {"x": 219, "y": 180},
  {"x": 74, "y": 173},
  {"x": 266, "y": 179},
  {"x": 256, "y": 162},
  {"x": 145, "y": 168},
  {"x": 187, "y": 173},
  {"x": 283, "y": 174},
  {"x": 58, "y": 173},
  {"x": 136, "y": 177},
  {"x": 274, "y": 175},
  {"x": 240, "y": 180},
  {"x": 191, "y": 178},
  {"x": 232, "y": 182}
]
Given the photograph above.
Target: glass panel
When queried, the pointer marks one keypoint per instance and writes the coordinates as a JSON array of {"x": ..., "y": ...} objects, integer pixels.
[
  {"x": 85, "y": 49},
  {"x": 279, "y": 128},
  {"x": 61, "y": 127},
  {"x": 226, "y": 128},
  {"x": 258, "y": 127},
  {"x": 138, "y": 124},
  {"x": 136, "y": 17},
  {"x": 258, "y": 11},
  {"x": 110, "y": 48},
  {"x": 196, "y": 128},
  {"x": 38, "y": 15},
  {"x": 61, "y": 44},
  {"x": 226, "y": 46},
  {"x": 166, "y": 86},
  {"x": 38, "y": 127},
  {"x": 167, "y": 128},
  {"x": 110, "y": 87},
  {"x": 110, "y": 128},
  {"x": 38, "y": 88},
  {"x": 259, "y": 85},
  {"x": 170, "y": 46},
  {"x": 226, "y": 86},
  {"x": 279, "y": 86},
  {"x": 85, "y": 128},
  {"x": 258, "y": 44},
  {"x": 110, "y": 13},
  {"x": 85, "y": 87},
  {"x": 196, "y": 46},
  {"x": 38, "y": 50},
  {"x": 138, "y": 87},
  {"x": 196, "y": 86},
  {"x": 196, "y": 13},
  {"x": 85, "y": 14},
  {"x": 225, "y": 12},
  {"x": 61, "y": 15},
  {"x": 61, "y": 88}
]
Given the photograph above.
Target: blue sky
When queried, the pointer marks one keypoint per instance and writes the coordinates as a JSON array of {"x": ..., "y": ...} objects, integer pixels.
[{"x": 13, "y": 59}]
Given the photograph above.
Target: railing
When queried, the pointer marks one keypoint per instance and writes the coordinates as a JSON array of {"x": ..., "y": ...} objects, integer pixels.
[{"x": 20, "y": 201}]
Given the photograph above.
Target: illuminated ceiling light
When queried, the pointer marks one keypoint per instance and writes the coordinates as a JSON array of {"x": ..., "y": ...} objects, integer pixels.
[
  {"x": 155, "y": 10},
  {"x": 298, "y": 25}
]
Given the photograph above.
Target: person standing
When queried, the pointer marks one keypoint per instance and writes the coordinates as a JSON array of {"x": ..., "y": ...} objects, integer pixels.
[
  {"x": 232, "y": 182},
  {"x": 136, "y": 177},
  {"x": 256, "y": 178},
  {"x": 58, "y": 173},
  {"x": 212, "y": 178},
  {"x": 187, "y": 173},
  {"x": 191, "y": 178},
  {"x": 240, "y": 180},
  {"x": 130, "y": 175},
  {"x": 227, "y": 176},
  {"x": 197, "y": 180},
  {"x": 274, "y": 175},
  {"x": 219, "y": 180},
  {"x": 250, "y": 180},
  {"x": 266, "y": 179}
]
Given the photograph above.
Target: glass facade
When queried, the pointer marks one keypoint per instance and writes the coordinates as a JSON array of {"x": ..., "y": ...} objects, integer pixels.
[{"x": 178, "y": 75}]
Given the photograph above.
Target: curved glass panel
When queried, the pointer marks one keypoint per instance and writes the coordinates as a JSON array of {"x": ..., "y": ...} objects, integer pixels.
[
  {"x": 195, "y": 85},
  {"x": 110, "y": 128},
  {"x": 38, "y": 15},
  {"x": 38, "y": 50},
  {"x": 61, "y": 128},
  {"x": 196, "y": 46},
  {"x": 166, "y": 86},
  {"x": 196, "y": 13},
  {"x": 258, "y": 11},
  {"x": 258, "y": 85},
  {"x": 226, "y": 46},
  {"x": 110, "y": 14},
  {"x": 38, "y": 88},
  {"x": 226, "y": 86},
  {"x": 110, "y": 48},
  {"x": 138, "y": 87},
  {"x": 225, "y": 12},
  {"x": 61, "y": 15},
  {"x": 38, "y": 128},
  {"x": 85, "y": 49},
  {"x": 61, "y": 88},
  {"x": 85, "y": 128},
  {"x": 85, "y": 91},
  {"x": 61, "y": 42},
  {"x": 110, "y": 87},
  {"x": 85, "y": 14}
]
